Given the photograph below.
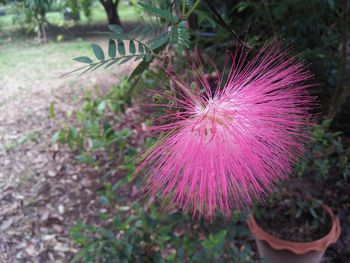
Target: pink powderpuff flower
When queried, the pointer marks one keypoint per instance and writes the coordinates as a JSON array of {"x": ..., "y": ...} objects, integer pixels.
[{"x": 228, "y": 144}]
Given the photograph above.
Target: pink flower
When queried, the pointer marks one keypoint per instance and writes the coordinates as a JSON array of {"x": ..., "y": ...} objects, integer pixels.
[{"x": 226, "y": 146}]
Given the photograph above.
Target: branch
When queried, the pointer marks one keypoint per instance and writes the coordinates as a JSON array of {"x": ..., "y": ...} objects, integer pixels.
[
  {"x": 217, "y": 17},
  {"x": 194, "y": 7}
]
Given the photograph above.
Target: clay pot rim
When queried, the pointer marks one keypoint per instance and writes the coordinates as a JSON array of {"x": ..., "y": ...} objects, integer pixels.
[{"x": 298, "y": 248}]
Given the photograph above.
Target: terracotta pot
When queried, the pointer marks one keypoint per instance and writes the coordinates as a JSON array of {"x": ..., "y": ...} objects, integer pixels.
[{"x": 282, "y": 251}]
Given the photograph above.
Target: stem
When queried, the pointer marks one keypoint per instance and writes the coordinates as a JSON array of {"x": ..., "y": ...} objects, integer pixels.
[
  {"x": 100, "y": 63},
  {"x": 218, "y": 19},
  {"x": 131, "y": 90},
  {"x": 183, "y": 8},
  {"x": 193, "y": 8}
]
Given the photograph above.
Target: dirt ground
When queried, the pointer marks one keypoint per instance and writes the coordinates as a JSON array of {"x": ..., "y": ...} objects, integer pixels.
[{"x": 41, "y": 192}]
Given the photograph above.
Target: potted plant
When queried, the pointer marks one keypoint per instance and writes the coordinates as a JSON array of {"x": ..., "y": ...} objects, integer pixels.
[{"x": 292, "y": 228}]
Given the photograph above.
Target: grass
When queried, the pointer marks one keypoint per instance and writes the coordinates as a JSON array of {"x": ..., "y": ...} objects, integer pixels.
[
  {"x": 27, "y": 65},
  {"x": 28, "y": 57},
  {"x": 21, "y": 55},
  {"x": 126, "y": 12},
  {"x": 30, "y": 136}
]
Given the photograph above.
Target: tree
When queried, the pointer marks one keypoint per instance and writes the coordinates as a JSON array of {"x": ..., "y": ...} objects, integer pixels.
[
  {"x": 71, "y": 11},
  {"x": 86, "y": 6},
  {"x": 111, "y": 8},
  {"x": 37, "y": 10}
]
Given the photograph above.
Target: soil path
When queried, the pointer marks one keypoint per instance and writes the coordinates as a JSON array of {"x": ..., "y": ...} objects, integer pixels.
[{"x": 40, "y": 191}]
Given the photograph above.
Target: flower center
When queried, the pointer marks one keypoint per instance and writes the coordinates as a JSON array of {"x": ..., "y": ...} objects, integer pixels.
[{"x": 211, "y": 118}]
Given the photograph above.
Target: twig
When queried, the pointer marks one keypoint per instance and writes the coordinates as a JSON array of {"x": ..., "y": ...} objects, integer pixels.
[
  {"x": 222, "y": 23},
  {"x": 193, "y": 8}
]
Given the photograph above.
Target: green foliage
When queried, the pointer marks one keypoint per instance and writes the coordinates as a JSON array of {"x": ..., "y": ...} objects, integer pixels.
[
  {"x": 117, "y": 51},
  {"x": 144, "y": 234},
  {"x": 71, "y": 11},
  {"x": 98, "y": 52},
  {"x": 180, "y": 36},
  {"x": 38, "y": 7},
  {"x": 140, "y": 48},
  {"x": 86, "y": 5},
  {"x": 311, "y": 207},
  {"x": 84, "y": 60},
  {"x": 300, "y": 23},
  {"x": 112, "y": 49},
  {"x": 31, "y": 13},
  {"x": 93, "y": 132},
  {"x": 329, "y": 155},
  {"x": 121, "y": 47},
  {"x": 294, "y": 207},
  {"x": 30, "y": 136},
  {"x": 161, "y": 13},
  {"x": 131, "y": 231}
]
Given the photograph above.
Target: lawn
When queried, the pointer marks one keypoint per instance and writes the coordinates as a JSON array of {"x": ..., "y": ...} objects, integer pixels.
[
  {"x": 25, "y": 64},
  {"x": 126, "y": 12}
]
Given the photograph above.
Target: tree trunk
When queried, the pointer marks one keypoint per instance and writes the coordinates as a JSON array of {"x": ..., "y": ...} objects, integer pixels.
[
  {"x": 42, "y": 32},
  {"x": 41, "y": 28},
  {"x": 111, "y": 8}
]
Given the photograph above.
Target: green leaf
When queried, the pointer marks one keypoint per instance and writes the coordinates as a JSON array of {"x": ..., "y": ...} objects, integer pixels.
[
  {"x": 159, "y": 41},
  {"x": 141, "y": 48},
  {"x": 180, "y": 36},
  {"x": 220, "y": 237},
  {"x": 126, "y": 59},
  {"x": 144, "y": 65},
  {"x": 99, "y": 65},
  {"x": 167, "y": 15},
  {"x": 136, "y": 31},
  {"x": 86, "y": 60},
  {"x": 183, "y": 36},
  {"x": 97, "y": 144},
  {"x": 298, "y": 213},
  {"x": 85, "y": 159},
  {"x": 104, "y": 201},
  {"x": 112, "y": 62},
  {"x": 101, "y": 106},
  {"x": 139, "y": 69},
  {"x": 112, "y": 48},
  {"x": 313, "y": 212},
  {"x": 128, "y": 250},
  {"x": 138, "y": 57},
  {"x": 98, "y": 51},
  {"x": 146, "y": 32},
  {"x": 121, "y": 47},
  {"x": 124, "y": 208},
  {"x": 56, "y": 136},
  {"x": 132, "y": 48},
  {"x": 115, "y": 35},
  {"x": 148, "y": 57},
  {"x": 115, "y": 28},
  {"x": 331, "y": 3}
]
